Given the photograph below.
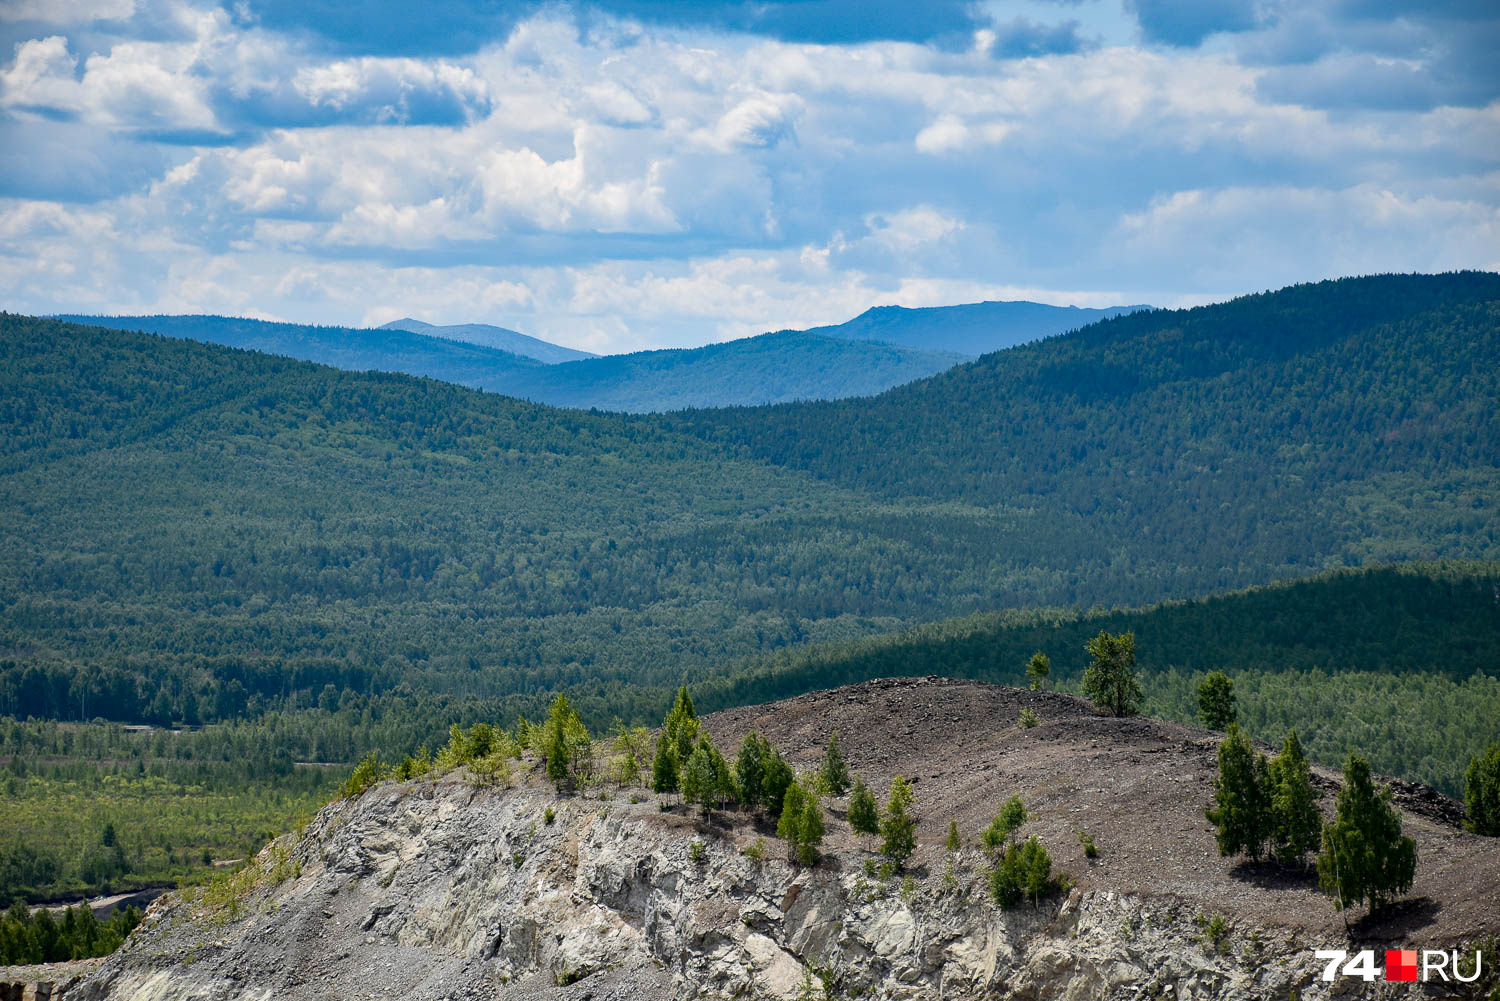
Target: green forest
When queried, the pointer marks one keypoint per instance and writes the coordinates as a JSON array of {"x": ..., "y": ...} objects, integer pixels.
[{"x": 283, "y": 567}]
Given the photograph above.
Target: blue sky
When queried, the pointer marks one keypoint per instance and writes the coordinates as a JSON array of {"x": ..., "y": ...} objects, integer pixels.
[{"x": 643, "y": 173}]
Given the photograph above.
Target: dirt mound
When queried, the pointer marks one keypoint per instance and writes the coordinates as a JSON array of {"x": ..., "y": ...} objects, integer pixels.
[{"x": 1138, "y": 786}]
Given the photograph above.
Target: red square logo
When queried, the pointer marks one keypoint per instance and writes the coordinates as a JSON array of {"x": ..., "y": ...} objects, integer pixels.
[{"x": 1400, "y": 964}]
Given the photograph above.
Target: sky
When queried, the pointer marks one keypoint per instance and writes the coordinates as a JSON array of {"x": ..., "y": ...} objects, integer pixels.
[{"x": 625, "y": 174}]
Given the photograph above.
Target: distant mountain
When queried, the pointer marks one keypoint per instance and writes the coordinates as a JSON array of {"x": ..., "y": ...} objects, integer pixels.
[
  {"x": 771, "y": 368},
  {"x": 356, "y": 350},
  {"x": 971, "y": 329},
  {"x": 493, "y": 337}
]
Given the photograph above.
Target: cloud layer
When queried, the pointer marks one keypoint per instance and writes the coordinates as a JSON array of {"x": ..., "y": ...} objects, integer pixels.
[{"x": 635, "y": 173}]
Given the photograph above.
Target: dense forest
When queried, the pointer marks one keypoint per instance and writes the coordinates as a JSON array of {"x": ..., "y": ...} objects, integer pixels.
[{"x": 291, "y": 565}]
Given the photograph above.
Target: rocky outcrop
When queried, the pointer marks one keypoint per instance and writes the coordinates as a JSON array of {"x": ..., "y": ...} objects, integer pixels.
[{"x": 444, "y": 889}]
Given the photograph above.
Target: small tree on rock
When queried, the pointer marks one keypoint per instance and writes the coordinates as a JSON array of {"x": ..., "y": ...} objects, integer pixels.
[
  {"x": 1024, "y": 871},
  {"x": 954, "y": 842},
  {"x": 748, "y": 767},
  {"x": 775, "y": 778},
  {"x": 834, "y": 771},
  {"x": 1110, "y": 679},
  {"x": 1242, "y": 800},
  {"x": 1216, "y": 701},
  {"x": 682, "y": 724},
  {"x": 1295, "y": 822},
  {"x": 1006, "y": 823},
  {"x": 801, "y": 824},
  {"x": 898, "y": 830},
  {"x": 664, "y": 778},
  {"x": 1482, "y": 792},
  {"x": 1037, "y": 669},
  {"x": 1365, "y": 856},
  {"x": 864, "y": 814}
]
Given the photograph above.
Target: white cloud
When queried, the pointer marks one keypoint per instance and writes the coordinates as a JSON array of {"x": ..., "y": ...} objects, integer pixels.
[{"x": 623, "y": 188}]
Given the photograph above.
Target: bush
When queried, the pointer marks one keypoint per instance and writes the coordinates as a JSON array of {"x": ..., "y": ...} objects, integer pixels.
[
  {"x": 1027, "y": 720},
  {"x": 1024, "y": 871},
  {"x": 365, "y": 774},
  {"x": 1089, "y": 849}
]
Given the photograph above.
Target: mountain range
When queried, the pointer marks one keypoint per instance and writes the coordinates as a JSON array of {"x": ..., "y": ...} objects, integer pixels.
[
  {"x": 190, "y": 530},
  {"x": 883, "y": 347}
]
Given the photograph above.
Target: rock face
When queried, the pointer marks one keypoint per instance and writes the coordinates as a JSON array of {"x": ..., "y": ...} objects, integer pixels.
[
  {"x": 442, "y": 889},
  {"x": 447, "y": 889}
]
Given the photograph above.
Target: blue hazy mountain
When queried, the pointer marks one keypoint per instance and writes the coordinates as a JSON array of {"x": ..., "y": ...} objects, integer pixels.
[
  {"x": 971, "y": 329},
  {"x": 355, "y": 350},
  {"x": 493, "y": 337},
  {"x": 770, "y": 368}
]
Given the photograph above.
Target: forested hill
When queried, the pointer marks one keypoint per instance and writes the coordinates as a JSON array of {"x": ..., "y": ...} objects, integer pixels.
[
  {"x": 771, "y": 368},
  {"x": 1356, "y": 419},
  {"x": 189, "y": 532},
  {"x": 1400, "y": 663},
  {"x": 357, "y": 350},
  {"x": 972, "y": 329}
]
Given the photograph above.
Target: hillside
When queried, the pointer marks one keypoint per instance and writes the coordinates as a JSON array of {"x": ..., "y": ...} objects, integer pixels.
[
  {"x": 388, "y": 349},
  {"x": 195, "y": 533},
  {"x": 771, "y": 368},
  {"x": 492, "y": 337},
  {"x": 448, "y": 886},
  {"x": 1399, "y": 663},
  {"x": 1346, "y": 422},
  {"x": 975, "y": 328}
]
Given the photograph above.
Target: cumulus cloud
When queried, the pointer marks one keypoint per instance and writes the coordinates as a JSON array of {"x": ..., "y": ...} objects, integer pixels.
[{"x": 620, "y": 180}]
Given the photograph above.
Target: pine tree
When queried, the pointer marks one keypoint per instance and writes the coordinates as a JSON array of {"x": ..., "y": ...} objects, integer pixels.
[
  {"x": 698, "y": 777},
  {"x": 1482, "y": 792},
  {"x": 682, "y": 724},
  {"x": 748, "y": 767},
  {"x": 775, "y": 778},
  {"x": 864, "y": 815},
  {"x": 1295, "y": 823},
  {"x": 1242, "y": 798},
  {"x": 664, "y": 777},
  {"x": 835, "y": 772},
  {"x": 558, "y": 759},
  {"x": 1110, "y": 679},
  {"x": 898, "y": 829},
  {"x": 1006, "y": 823},
  {"x": 1216, "y": 701},
  {"x": 1025, "y": 870},
  {"x": 1365, "y": 856},
  {"x": 954, "y": 842},
  {"x": 801, "y": 824},
  {"x": 1037, "y": 669}
]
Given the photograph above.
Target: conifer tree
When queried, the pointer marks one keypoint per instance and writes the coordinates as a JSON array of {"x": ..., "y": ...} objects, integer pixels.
[
  {"x": 834, "y": 772},
  {"x": 558, "y": 719},
  {"x": 664, "y": 777},
  {"x": 682, "y": 724},
  {"x": 1006, "y": 823},
  {"x": 1242, "y": 798},
  {"x": 1110, "y": 679},
  {"x": 1482, "y": 792},
  {"x": 1037, "y": 669},
  {"x": 775, "y": 778},
  {"x": 898, "y": 829},
  {"x": 1365, "y": 856},
  {"x": 864, "y": 815},
  {"x": 1216, "y": 706},
  {"x": 1295, "y": 823},
  {"x": 749, "y": 767},
  {"x": 954, "y": 842},
  {"x": 801, "y": 824}
]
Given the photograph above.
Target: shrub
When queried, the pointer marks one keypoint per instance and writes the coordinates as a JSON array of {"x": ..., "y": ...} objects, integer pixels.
[
  {"x": 1087, "y": 840},
  {"x": 696, "y": 853},
  {"x": 365, "y": 774},
  {"x": 1024, "y": 871},
  {"x": 1028, "y": 719}
]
